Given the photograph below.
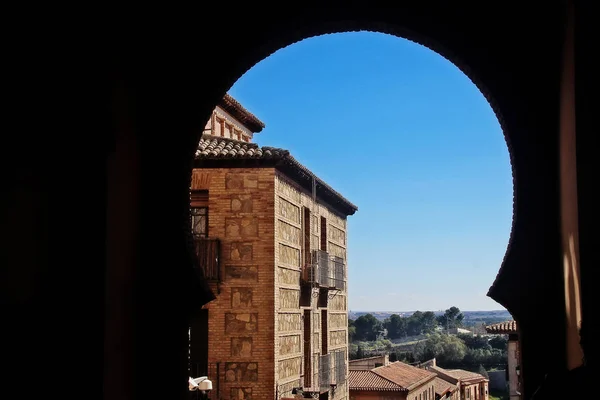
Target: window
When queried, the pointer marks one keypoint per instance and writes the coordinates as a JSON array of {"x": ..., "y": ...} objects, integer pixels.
[
  {"x": 324, "y": 332},
  {"x": 199, "y": 211},
  {"x": 200, "y": 222},
  {"x": 306, "y": 229},
  {"x": 323, "y": 233},
  {"x": 308, "y": 360}
]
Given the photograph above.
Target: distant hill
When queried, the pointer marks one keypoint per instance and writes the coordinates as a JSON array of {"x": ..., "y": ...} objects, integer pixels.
[{"x": 471, "y": 317}]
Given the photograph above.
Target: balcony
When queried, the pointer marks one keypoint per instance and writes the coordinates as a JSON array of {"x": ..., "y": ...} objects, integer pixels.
[
  {"x": 325, "y": 271},
  {"x": 329, "y": 371},
  {"x": 207, "y": 252}
]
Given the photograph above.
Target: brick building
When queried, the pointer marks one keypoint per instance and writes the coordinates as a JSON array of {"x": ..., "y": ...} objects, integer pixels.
[
  {"x": 271, "y": 238},
  {"x": 471, "y": 385},
  {"x": 377, "y": 378}
]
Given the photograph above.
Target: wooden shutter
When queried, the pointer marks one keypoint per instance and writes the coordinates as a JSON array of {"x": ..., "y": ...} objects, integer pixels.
[{"x": 199, "y": 198}]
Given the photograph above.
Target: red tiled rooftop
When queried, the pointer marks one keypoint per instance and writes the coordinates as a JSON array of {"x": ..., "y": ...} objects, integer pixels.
[
  {"x": 403, "y": 374},
  {"x": 441, "y": 386},
  {"x": 369, "y": 380},
  {"x": 396, "y": 376},
  {"x": 506, "y": 327},
  {"x": 464, "y": 375},
  {"x": 457, "y": 374}
]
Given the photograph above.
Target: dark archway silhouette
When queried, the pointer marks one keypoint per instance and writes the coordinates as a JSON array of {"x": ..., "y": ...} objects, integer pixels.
[{"x": 130, "y": 104}]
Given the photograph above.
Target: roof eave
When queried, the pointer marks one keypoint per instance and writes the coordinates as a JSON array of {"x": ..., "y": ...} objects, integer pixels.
[
  {"x": 324, "y": 191},
  {"x": 231, "y": 105}
]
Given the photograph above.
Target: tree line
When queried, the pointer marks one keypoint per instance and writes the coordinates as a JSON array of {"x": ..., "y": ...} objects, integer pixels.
[
  {"x": 368, "y": 328},
  {"x": 472, "y": 352}
]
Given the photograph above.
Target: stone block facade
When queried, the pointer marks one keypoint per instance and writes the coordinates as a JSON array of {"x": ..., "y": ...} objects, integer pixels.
[
  {"x": 256, "y": 326},
  {"x": 290, "y": 202}
]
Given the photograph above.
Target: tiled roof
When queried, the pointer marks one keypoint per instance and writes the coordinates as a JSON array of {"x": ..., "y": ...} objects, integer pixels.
[
  {"x": 396, "y": 376},
  {"x": 215, "y": 151},
  {"x": 403, "y": 374},
  {"x": 464, "y": 375},
  {"x": 369, "y": 380},
  {"x": 441, "y": 386},
  {"x": 238, "y": 111},
  {"x": 457, "y": 374},
  {"x": 506, "y": 327},
  {"x": 211, "y": 147}
]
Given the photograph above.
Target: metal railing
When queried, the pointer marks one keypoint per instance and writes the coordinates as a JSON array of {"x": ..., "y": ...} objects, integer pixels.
[
  {"x": 325, "y": 271},
  {"x": 208, "y": 251},
  {"x": 328, "y": 370}
]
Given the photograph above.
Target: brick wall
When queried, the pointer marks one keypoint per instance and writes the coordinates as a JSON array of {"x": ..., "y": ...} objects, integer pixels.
[
  {"x": 241, "y": 319},
  {"x": 256, "y": 322}
]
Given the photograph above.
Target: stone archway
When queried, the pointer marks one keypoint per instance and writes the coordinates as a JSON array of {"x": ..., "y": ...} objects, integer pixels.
[
  {"x": 132, "y": 265},
  {"x": 509, "y": 289}
]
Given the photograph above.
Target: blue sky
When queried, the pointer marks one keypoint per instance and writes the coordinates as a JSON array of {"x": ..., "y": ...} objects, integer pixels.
[{"x": 407, "y": 137}]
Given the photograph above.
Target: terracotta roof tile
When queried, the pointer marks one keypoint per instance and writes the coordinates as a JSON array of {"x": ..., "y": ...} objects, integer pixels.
[
  {"x": 211, "y": 147},
  {"x": 456, "y": 374},
  {"x": 507, "y": 327},
  {"x": 441, "y": 386},
  {"x": 403, "y": 374},
  {"x": 218, "y": 149},
  {"x": 464, "y": 375},
  {"x": 368, "y": 380}
]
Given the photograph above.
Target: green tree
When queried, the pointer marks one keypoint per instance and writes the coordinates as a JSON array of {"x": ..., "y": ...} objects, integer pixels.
[
  {"x": 452, "y": 318},
  {"x": 396, "y": 326},
  {"x": 414, "y": 324},
  {"x": 475, "y": 342},
  {"x": 482, "y": 371},
  {"x": 351, "y": 330},
  {"x": 428, "y": 322},
  {"x": 447, "y": 349},
  {"x": 499, "y": 342},
  {"x": 367, "y": 327},
  {"x": 360, "y": 352}
]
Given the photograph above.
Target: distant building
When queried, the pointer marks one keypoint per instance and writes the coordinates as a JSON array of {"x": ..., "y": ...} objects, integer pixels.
[
  {"x": 230, "y": 120},
  {"x": 456, "y": 331},
  {"x": 514, "y": 355},
  {"x": 390, "y": 381},
  {"x": 445, "y": 390},
  {"x": 368, "y": 363},
  {"x": 472, "y": 386}
]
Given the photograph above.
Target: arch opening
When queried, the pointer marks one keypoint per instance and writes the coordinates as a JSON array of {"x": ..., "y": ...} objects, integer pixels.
[{"x": 221, "y": 126}]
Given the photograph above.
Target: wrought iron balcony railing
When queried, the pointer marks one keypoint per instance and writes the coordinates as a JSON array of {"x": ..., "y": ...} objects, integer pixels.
[{"x": 325, "y": 271}]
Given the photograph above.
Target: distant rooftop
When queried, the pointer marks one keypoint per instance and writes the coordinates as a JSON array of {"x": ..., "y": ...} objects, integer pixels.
[
  {"x": 505, "y": 328},
  {"x": 457, "y": 374},
  {"x": 396, "y": 376},
  {"x": 442, "y": 387}
]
